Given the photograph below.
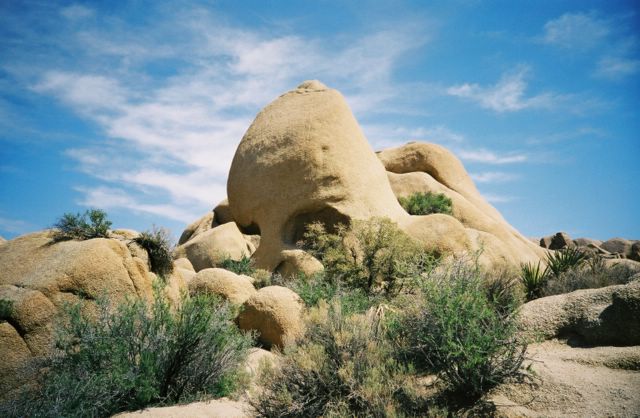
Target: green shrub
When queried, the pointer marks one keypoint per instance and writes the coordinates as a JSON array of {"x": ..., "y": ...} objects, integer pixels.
[
  {"x": 503, "y": 290},
  {"x": 563, "y": 260},
  {"x": 373, "y": 255},
  {"x": 262, "y": 278},
  {"x": 91, "y": 224},
  {"x": 426, "y": 204},
  {"x": 533, "y": 278},
  {"x": 242, "y": 266},
  {"x": 342, "y": 367},
  {"x": 6, "y": 309},
  {"x": 136, "y": 355},
  {"x": 455, "y": 332},
  {"x": 157, "y": 243},
  {"x": 592, "y": 274}
]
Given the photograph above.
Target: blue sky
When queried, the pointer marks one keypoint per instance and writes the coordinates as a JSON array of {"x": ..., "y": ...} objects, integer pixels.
[{"x": 137, "y": 107}]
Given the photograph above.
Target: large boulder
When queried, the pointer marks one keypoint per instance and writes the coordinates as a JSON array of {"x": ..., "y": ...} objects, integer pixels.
[
  {"x": 605, "y": 316},
  {"x": 39, "y": 276},
  {"x": 557, "y": 241},
  {"x": 275, "y": 312},
  {"x": 304, "y": 159},
  {"x": 223, "y": 213},
  {"x": 230, "y": 286},
  {"x": 619, "y": 246},
  {"x": 207, "y": 249}
]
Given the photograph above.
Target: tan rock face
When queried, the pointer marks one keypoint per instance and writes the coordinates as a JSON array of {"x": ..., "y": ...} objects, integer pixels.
[
  {"x": 605, "y": 316},
  {"x": 275, "y": 313},
  {"x": 38, "y": 276},
  {"x": 223, "y": 212},
  {"x": 305, "y": 159},
  {"x": 232, "y": 287},
  {"x": 295, "y": 262},
  {"x": 205, "y": 223},
  {"x": 207, "y": 249}
]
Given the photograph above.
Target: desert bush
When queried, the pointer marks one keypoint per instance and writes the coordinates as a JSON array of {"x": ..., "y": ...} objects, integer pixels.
[
  {"x": 373, "y": 255},
  {"x": 136, "y": 354},
  {"x": 533, "y": 278},
  {"x": 503, "y": 290},
  {"x": 591, "y": 274},
  {"x": 242, "y": 266},
  {"x": 91, "y": 224},
  {"x": 342, "y": 367},
  {"x": 563, "y": 260},
  {"x": 426, "y": 204},
  {"x": 454, "y": 331},
  {"x": 262, "y": 278},
  {"x": 157, "y": 243}
]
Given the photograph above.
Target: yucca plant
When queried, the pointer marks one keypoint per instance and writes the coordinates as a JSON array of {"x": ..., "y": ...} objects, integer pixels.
[
  {"x": 561, "y": 261},
  {"x": 533, "y": 277}
]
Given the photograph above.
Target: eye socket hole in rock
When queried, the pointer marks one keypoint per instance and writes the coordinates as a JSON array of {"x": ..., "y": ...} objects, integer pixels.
[{"x": 296, "y": 226}]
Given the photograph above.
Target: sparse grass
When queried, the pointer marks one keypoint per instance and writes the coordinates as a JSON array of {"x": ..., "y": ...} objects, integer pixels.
[
  {"x": 426, "y": 204},
  {"x": 533, "y": 278},
  {"x": 591, "y": 274},
  {"x": 563, "y": 260},
  {"x": 91, "y": 224},
  {"x": 137, "y": 355},
  {"x": 342, "y": 367},
  {"x": 242, "y": 266},
  {"x": 157, "y": 243},
  {"x": 373, "y": 255},
  {"x": 455, "y": 331}
]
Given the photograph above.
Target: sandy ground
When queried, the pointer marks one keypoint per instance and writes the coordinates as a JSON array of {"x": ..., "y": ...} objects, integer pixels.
[{"x": 575, "y": 382}]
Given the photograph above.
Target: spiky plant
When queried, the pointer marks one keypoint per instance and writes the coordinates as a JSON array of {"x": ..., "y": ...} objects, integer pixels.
[
  {"x": 566, "y": 259},
  {"x": 533, "y": 277}
]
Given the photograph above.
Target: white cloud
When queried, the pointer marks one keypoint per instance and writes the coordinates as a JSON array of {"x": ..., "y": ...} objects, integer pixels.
[
  {"x": 575, "y": 30},
  {"x": 492, "y": 177},
  {"x": 77, "y": 12},
  {"x": 617, "y": 67},
  {"x": 496, "y": 198},
  {"x": 507, "y": 95},
  {"x": 173, "y": 137},
  {"x": 490, "y": 157}
]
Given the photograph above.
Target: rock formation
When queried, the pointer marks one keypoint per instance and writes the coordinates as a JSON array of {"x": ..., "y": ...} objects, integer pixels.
[
  {"x": 39, "y": 276},
  {"x": 305, "y": 159}
]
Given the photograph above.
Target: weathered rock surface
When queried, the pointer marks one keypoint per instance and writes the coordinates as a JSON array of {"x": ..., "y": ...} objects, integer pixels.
[
  {"x": 232, "y": 287},
  {"x": 208, "y": 248},
  {"x": 205, "y": 223},
  {"x": 557, "y": 241},
  {"x": 619, "y": 246},
  {"x": 305, "y": 159},
  {"x": 38, "y": 276},
  {"x": 223, "y": 212},
  {"x": 275, "y": 313},
  {"x": 605, "y": 316},
  {"x": 574, "y": 382},
  {"x": 295, "y": 262}
]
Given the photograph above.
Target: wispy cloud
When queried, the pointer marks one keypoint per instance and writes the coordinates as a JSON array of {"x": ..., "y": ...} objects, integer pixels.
[
  {"x": 507, "y": 95},
  {"x": 617, "y": 67},
  {"x": 575, "y": 31},
  {"x": 496, "y": 198},
  {"x": 493, "y": 177},
  {"x": 171, "y": 139},
  {"x": 490, "y": 157},
  {"x": 14, "y": 226}
]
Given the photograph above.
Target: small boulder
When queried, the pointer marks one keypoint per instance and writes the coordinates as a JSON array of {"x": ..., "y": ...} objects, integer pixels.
[
  {"x": 635, "y": 251},
  {"x": 556, "y": 242},
  {"x": 605, "y": 316},
  {"x": 208, "y": 248},
  {"x": 205, "y": 223},
  {"x": 232, "y": 287},
  {"x": 275, "y": 312},
  {"x": 183, "y": 263},
  {"x": 223, "y": 213},
  {"x": 295, "y": 262}
]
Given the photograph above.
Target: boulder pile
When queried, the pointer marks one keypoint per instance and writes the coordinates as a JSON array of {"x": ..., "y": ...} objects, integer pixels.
[{"x": 611, "y": 249}]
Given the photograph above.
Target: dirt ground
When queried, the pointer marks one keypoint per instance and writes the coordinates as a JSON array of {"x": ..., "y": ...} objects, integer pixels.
[{"x": 575, "y": 382}]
